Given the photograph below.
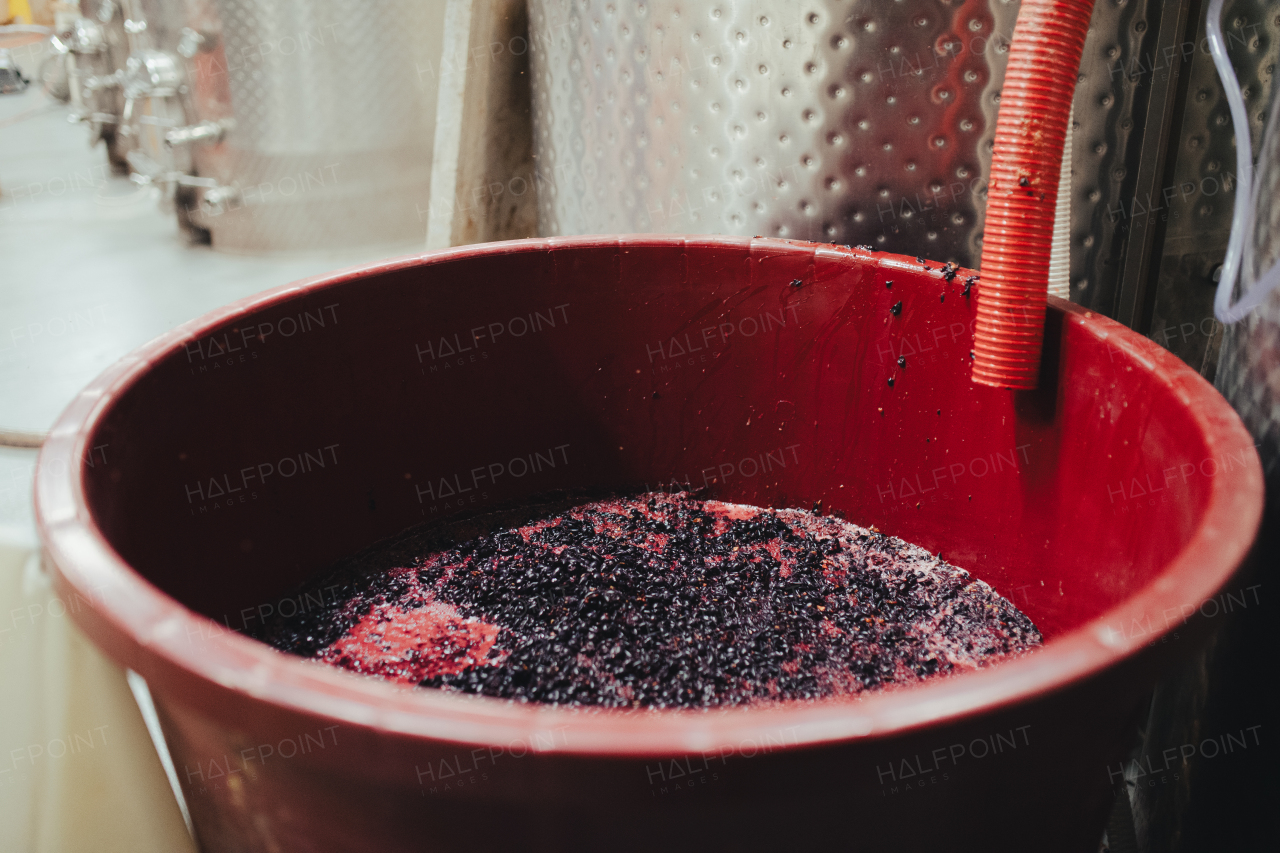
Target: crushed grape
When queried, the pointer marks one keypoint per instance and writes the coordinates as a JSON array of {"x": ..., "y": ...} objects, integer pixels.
[{"x": 665, "y": 601}]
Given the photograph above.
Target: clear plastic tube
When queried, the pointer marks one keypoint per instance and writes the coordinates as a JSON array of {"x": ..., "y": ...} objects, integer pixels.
[{"x": 1242, "y": 218}]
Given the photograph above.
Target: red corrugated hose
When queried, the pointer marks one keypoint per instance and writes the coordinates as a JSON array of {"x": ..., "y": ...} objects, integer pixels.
[{"x": 1035, "y": 106}]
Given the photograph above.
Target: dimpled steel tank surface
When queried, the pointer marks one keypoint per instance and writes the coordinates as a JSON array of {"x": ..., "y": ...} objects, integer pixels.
[{"x": 1106, "y": 506}]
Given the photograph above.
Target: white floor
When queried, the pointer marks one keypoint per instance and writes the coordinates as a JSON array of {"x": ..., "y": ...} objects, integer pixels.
[{"x": 91, "y": 268}]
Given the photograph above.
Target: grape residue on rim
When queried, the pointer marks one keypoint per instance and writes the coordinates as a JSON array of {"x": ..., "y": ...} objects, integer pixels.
[{"x": 664, "y": 601}]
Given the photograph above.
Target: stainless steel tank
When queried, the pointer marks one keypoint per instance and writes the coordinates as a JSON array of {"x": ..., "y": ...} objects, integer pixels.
[
  {"x": 290, "y": 124},
  {"x": 1191, "y": 803},
  {"x": 157, "y": 86},
  {"x": 95, "y": 47},
  {"x": 1194, "y": 209},
  {"x": 871, "y": 122},
  {"x": 865, "y": 122}
]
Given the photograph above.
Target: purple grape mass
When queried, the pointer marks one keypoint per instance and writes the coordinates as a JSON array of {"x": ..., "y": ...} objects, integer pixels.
[{"x": 660, "y": 600}]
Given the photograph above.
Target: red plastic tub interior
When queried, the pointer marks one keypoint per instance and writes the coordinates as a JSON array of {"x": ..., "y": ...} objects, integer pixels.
[{"x": 230, "y": 459}]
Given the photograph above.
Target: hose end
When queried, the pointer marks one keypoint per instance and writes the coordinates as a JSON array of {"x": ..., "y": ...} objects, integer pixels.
[{"x": 1035, "y": 109}]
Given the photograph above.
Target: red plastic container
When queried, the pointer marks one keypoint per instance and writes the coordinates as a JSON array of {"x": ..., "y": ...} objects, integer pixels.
[{"x": 226, "y": 461}]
